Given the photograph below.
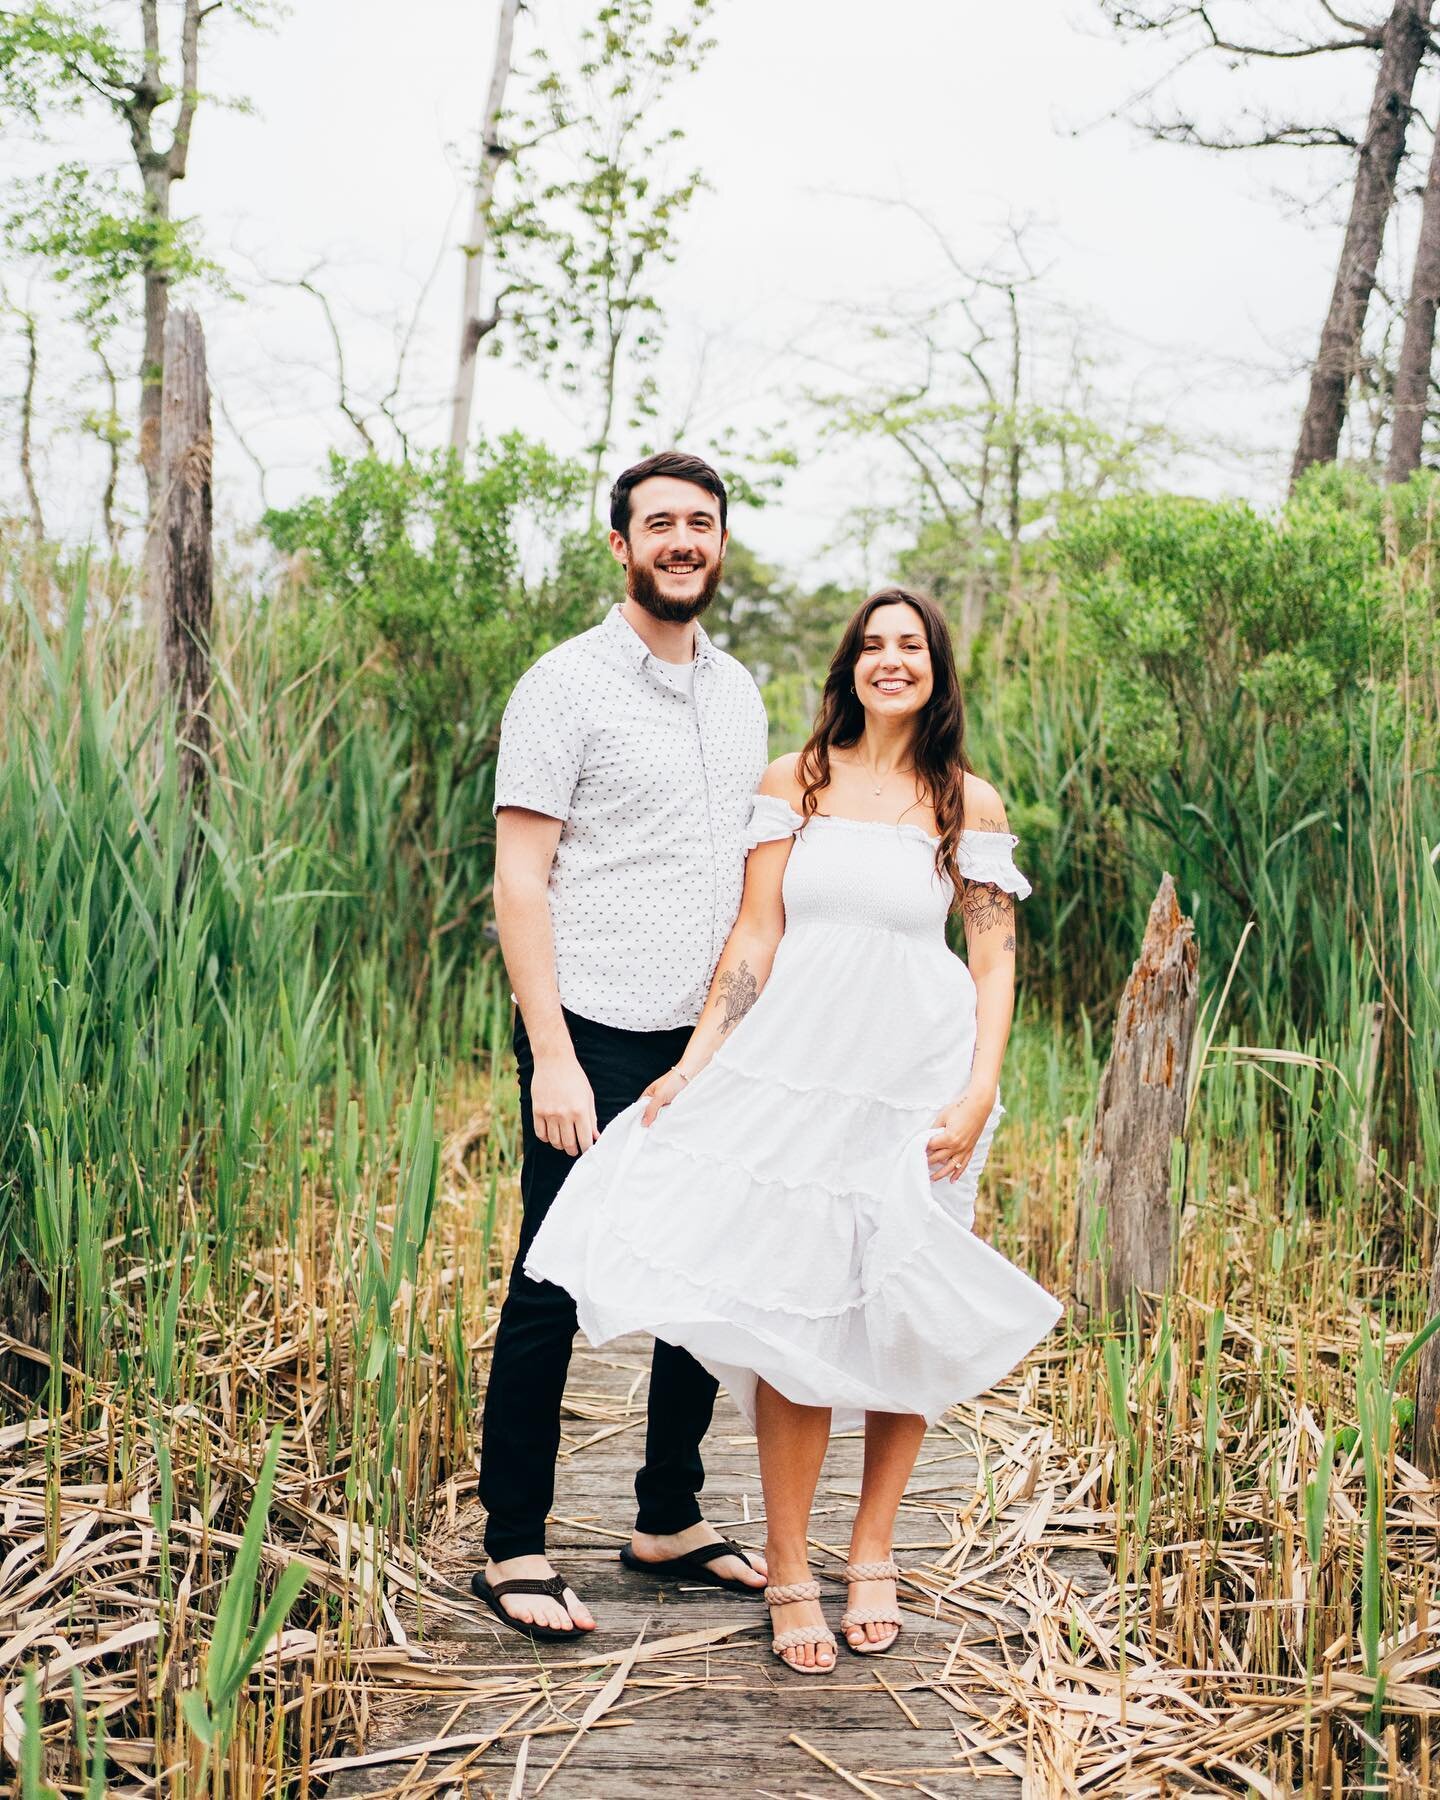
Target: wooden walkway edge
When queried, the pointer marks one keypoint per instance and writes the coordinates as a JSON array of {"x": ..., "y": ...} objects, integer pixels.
[{"x": 678, "y": 1692}]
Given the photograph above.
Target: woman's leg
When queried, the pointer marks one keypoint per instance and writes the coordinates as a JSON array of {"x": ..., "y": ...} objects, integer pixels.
[
  {"x": 792, "y": 1442},
  {"x": 892, "y": 1442}
]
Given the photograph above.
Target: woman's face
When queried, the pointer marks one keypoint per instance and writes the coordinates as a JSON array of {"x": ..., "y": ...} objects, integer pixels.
[{"x": 892, "y": 675}]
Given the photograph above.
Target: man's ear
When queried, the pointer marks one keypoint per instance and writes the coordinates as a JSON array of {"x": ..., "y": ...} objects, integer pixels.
[{"x": 619, "y": 549}]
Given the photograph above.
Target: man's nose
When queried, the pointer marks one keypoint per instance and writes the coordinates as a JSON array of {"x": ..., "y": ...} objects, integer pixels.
[{"x": 682, "y": 539}]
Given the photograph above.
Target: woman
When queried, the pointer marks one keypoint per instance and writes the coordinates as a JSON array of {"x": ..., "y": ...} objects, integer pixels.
[{"x": 792, "y": 1201}]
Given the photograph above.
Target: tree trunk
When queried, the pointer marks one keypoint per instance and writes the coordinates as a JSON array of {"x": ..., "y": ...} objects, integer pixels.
[
  {"x": 152, "y": 382},
  {"x": 27, "y": 427},
  {"x": 111, "y": 436},
  {"x": 607, "y": 419},
  {"x": 1401, "y": 52},
  {"x": 1412, "y": 379},
  {"x": 1124, "y": 1230},
  {"x": 474, "y": 329},
  {"x": 26, "y": 1319},
  {"x": 1427, "y": 1386},
  {"x": 185, "y": 520}
]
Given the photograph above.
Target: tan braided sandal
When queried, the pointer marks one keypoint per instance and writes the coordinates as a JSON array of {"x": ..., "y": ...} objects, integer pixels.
[
  {"x": 785, "y": 1595},
  {"x": 889, "y": 1570}
]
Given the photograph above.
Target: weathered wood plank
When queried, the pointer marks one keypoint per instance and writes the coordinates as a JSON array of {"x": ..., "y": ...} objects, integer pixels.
[{"x": 719, "y": 1718}]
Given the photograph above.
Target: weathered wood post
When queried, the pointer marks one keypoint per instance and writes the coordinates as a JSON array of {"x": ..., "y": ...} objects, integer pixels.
[
  {"x": 187, "y": 565},
  {"x": 1427, "y": 1386},
  {"x": 1123, "y": 1235}
]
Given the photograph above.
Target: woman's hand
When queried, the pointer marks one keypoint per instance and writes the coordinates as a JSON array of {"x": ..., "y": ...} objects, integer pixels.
[
  {"x": 660, "y": 1093},
  {"x": 956, "y": 1133}
]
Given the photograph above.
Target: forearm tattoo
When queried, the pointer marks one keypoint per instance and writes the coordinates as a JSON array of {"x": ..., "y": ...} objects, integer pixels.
[
  {"x": 739, "y": 988},
  {"x": 987, "y": 908}
]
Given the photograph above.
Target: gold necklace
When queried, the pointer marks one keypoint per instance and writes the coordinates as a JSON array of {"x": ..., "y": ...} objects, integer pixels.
[{"x": 877, "y": 791}]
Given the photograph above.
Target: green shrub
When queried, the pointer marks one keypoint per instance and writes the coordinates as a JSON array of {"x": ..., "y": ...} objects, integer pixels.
[{"x": 439, "y": 584}]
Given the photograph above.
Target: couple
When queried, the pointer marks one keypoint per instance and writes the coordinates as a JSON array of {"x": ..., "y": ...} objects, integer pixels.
[{"x": 747, "y": 1055}]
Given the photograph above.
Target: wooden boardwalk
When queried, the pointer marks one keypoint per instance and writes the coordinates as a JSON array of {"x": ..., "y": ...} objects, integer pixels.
[{"x": 678, "y": 1693}]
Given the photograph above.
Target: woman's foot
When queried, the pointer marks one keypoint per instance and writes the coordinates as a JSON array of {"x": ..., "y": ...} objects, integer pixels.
[
  {"x": 801, "y": 1637},
  {"x": 871, "y": 1621},
  {"x": 538, "y": 1609}
]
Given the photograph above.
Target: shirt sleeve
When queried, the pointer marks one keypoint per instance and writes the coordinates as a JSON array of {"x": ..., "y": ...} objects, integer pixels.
[
  {"x": 985, "y": 856},
  {"x": 770, "y": 820},
  {"x": 542, "y": 745}
]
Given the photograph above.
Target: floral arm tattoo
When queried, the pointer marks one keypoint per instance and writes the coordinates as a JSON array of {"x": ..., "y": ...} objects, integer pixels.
[
  {"x": 740, "y": 990},
  {"x": 987, "y": 908}
]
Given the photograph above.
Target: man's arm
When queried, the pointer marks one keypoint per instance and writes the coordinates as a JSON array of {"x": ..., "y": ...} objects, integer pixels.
[{"x": 561, "y": 1097}]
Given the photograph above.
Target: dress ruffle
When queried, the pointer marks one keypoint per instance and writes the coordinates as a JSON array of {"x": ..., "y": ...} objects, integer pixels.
[
  {"x": 981, "y": 856},
  {"x": 860, "y": 1301}
]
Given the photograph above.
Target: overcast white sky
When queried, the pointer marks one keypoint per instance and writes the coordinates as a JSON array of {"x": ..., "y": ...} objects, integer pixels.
[{"x": 1201, "y": 286}]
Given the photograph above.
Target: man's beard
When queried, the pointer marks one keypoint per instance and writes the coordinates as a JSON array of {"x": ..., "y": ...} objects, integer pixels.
[{"x": 644, "y": 591}]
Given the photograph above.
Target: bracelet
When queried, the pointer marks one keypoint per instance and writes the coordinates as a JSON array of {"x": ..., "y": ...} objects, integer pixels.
[{"x": 675, "y": 1069}]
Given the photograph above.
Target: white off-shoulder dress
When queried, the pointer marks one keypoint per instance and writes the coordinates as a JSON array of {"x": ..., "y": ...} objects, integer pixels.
[{"x": 778, "y": 1219}]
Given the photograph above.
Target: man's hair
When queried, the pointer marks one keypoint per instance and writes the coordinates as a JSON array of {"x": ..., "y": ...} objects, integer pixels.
[{"x": 667, "y": 462}]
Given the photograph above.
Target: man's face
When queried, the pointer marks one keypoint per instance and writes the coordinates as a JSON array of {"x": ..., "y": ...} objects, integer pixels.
[{"x": 675, "y": 551}]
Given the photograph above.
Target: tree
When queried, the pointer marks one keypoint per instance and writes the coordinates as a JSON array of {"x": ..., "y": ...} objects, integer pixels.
[
  {"x": 993, "y": 431},
  {"x": 25, "y": 318},
  {"x": 1399, "y": 40},
  {"x": 582, "y": 244},
  {"x": 95, "y": 231},
  {"x": 474, "y": 328},
  {"x": 1417, "y": 348}
]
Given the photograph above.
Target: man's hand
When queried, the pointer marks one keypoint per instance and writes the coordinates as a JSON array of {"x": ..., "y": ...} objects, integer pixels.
[
  {"x": 563, "y": 1104},
  {"x": 957, "y": 1131}
]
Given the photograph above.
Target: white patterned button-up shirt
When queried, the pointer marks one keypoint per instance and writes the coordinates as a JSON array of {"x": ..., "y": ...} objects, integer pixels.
[{"x": 653, "y": 785}]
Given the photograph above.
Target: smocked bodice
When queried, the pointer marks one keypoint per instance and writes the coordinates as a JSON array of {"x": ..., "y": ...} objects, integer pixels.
[{"x": 873, "y": 873}]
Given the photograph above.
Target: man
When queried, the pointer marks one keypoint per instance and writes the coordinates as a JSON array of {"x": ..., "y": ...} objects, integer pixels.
[{"x": 628, "y": 757}]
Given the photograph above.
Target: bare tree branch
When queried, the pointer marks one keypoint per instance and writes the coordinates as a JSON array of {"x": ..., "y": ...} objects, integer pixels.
[
  {"x": 307, "y": 285},
  {"x": 1307, "y": 137},
  {"x": 179, "y": 151}
]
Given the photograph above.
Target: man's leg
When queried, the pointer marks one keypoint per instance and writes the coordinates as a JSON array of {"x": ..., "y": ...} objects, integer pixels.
[
  {"x": 521, "y": 1432},
  {"x": 682, "y": 1402},
  {"x": 669, "y": 1521}
]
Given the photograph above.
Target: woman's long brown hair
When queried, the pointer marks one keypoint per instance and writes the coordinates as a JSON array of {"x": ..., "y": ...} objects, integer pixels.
[{"x": 939, "y": 748}]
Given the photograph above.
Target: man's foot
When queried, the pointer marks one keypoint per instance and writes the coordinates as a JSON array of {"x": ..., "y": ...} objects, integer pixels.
[
  {"x": 646, "y": 1546},
  {"x": 538, "y": 1609}
]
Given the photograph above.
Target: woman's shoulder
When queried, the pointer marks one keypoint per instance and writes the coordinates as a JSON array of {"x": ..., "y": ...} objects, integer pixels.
[
  {"x": 984, "y": 809},
  {"x": 781, "y": 781}
]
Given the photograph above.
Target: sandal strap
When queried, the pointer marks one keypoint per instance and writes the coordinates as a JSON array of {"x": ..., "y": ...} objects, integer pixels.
[
  {"x": 553, "y": 1587},
  {"x": 870, "y": 1615},
  {"x": 708, "y": 1553},
  {"x": 889, "y": 1570},
  {"x": 803, "y": 1634},
  {"x": 788, "y": 1592}
]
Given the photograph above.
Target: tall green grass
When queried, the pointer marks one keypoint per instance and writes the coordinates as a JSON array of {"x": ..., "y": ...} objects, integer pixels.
[{"x": 218, "y": 1117}]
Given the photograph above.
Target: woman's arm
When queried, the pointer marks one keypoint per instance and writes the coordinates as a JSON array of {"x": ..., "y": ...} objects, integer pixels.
[
  {"x": 745, "y": 962},
  {"x": 988, "y": 914}
]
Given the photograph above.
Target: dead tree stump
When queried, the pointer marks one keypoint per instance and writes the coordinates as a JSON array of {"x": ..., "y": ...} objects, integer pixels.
[
  {"x": 1123, "y": 1236},
  {"x": 1427, "y": 1386},
  {"x": 25, "y": 1318},
  {"x": 187, "y": 584}
]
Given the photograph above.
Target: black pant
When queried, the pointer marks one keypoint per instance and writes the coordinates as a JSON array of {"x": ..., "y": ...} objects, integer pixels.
[{"x": 537, "y": 1328}]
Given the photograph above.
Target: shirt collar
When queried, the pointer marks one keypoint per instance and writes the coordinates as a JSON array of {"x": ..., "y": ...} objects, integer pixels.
[{"x": 629, "y": 641}]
